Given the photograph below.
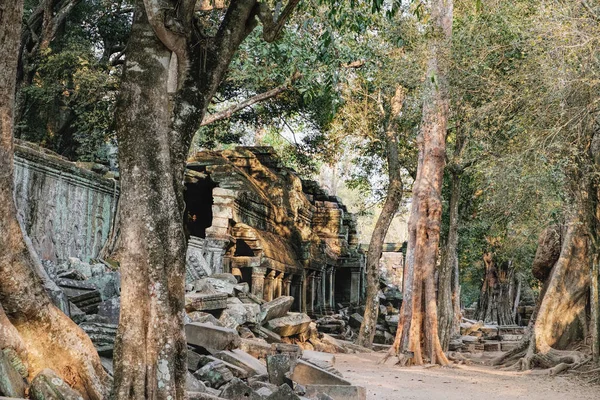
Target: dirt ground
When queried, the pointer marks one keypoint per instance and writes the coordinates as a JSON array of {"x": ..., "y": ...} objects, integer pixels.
[{"x": 473, "y": 382}]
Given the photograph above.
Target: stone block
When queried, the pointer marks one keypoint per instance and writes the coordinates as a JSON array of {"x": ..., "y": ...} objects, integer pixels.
[
  {"x": 308, "y": 374},
  {"x": 238, "y": 390},
  {"x": 211, "y": 336},
  {"x": 204, "y": 318},
  {"x": 11, "y": 382},
  {"x": 283, "y": 392},
  {"x": 291, "y": 324},
  {"x": 205, "y": 301},
  {"x": 111, "y": 309},
  {"x": 318, "y": 357},
  {"x": 47, "y": 385},
  {"x": 337, "y": 392},
  {"x": 214, "y": 374},
  {"x": 194, "y": 385},
  {"x": 278, "y": 365},
  {"x": 269, "y": 336},
  {"x": 256, "y": 348},
  {"x": 243, "y": 360},
  {"x": 276, "y": 308},
  {"x": 355, "y": 320}
]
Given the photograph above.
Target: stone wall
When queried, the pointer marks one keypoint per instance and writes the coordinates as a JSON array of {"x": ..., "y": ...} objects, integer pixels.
[{"x": 66, "y": 210}]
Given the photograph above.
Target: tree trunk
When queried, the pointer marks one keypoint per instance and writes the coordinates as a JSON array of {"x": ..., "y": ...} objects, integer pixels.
[
  {"x": 390, "y": 207},
  {"x": 594, "y": 309},
  {"x": 51, "y": 339},
  {"x": 448, "y": 283},
  {"x": 496, "y": 297},
  {"x": 418, "y": 336}
]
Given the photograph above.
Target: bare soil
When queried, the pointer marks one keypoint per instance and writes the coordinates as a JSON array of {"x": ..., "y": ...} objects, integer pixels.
[{"x": 463, "y": 382}]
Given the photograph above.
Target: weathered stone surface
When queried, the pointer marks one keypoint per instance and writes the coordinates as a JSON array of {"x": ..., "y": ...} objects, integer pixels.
[
  {"x": 66, "y": 210},
  {"x": 276, "y": 308},
  {"x": 81, "y": 293},
  {"x": 111, "y": 309},
  {"x": 194, "y": 385},
  {"x": 222, "y": 286},
  {"x": 337, "y": 392},
  {"x": 283, "y": 392},
  {"x": 204, "y": 318},
  {"x": 269, "y": 336},
  {"x": 355, "y": 320},
  {"x": 242, "y": 360},
  {"x": 76, "y": 314},
  {"x": 47, "y": 385},
  {"x": 225, "y": 277},
  {"x": 109, "y": 284},
  {"x": 15, "y": 360},
  {"x": 318, "y": 357},
  {"x": 214, "y": 374},
  {"x": 278, "y": 365},
  {"x": 291, "y": 324},
  {"x": 102, "y": 335},
  {"x": 286, "y": 348},
  {"x": 256, "y": 348},
  {"x": 308, "y": 374},
  {"x": 202, "y": 396},
  {"x": 238, "y": 390},
  {"x": 205, "y": 301},
  {"x": 211, "y": 336},
  {"x": 11, "y": 381}
]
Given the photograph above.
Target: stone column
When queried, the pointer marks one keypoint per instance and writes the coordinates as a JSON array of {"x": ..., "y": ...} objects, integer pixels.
[
  {"x": 269, "y": 286},
  {"x": 355, "y": 285},
  {"x": 287, "y": 285},
  {"x": 258, "y": 281},
  {"x": 310, "y": 292},
  {"x": 278, "y": 286},
  {"x": 330, "y": 273}
]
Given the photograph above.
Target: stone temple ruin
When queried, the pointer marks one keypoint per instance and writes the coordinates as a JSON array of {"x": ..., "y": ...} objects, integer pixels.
[{"x": 250, "y": 216}]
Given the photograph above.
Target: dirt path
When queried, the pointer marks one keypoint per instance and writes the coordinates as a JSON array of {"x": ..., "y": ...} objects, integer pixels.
[{"x": 474, "y": 382}]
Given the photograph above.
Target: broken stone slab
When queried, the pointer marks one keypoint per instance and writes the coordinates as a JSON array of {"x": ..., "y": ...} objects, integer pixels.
[
  {"x": 278, "y": 365},
  {"x": 76, "y": 314},
  {"x": 204, "y": 318},
  {"x": 337, "y": 392},
  {"x": 291, "y": 324},
  {"x": 306, "y": 373},
  {"x": 47, "y": 385},
  {"x": 222, "y": 286},
  {"x": 201, "y": 396},
  {"x": 242, "y": 360},
  {"x": 214, "y": 374},
  {"x": 269, "y": 336},
  {"x": 318, "y": 357},
  {"x": 205, "y": 301},
  {"x": 107, "y": 363},
  {"x": 11, "y": 381},
  {"x": 256, "y": 348},
  {"x": 109, "y": 284},
  {"x": 238, "y": 390},
  {"x": 355, "y": 320},
  {"x": 111, "y": 309},
  {"x": 276, "y": 308},
  {"x": 211, "y": 336},
  {"x": 225, "y": 277},
  {"x": 194, "y": 385},
  {"x": 283, "y": 392},
  {"x": 202, "y": 360},
  {"x": 287, "y": 348}
]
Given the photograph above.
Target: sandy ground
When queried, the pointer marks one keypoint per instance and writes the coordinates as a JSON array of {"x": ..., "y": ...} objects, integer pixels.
[{"x": 473, "y": 382}]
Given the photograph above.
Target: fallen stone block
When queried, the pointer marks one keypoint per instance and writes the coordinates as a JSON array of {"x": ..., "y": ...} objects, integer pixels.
[
  {"x": 256, "y": 348},
  {"x": 111, "y": 309},
  {"x": 11, "y": 381},
  {"x": 47, "y": 385},
  {"x": 286, "y": 348},
  {"x": 275, "y": 309},
  {"x": 337, "y": 392},
  {"x": 238, "y": 390},
  {"x": 278, "y": 365},
  {"x": 291, "y": 324},
  {"x": 214, "y": 374},
  {"x": 203, "y": 318},
  {"x": 355, "y": 320},
  {"x": 283, "y": 392},
  {"x": 270, "y": 337},
  {"x": 211, "y": 336},
  {"x": 242, "y": 360},
  {"x": 318, "y": 356},
  {"x": 194, "y": 385},
  {"x": 306, "y": 373},
  {"x": 205, "y": 301},
  {"x": 202, "y": 396}
]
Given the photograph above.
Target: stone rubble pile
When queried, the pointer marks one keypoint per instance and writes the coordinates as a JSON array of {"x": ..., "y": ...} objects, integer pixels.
[
  {"x": 239, "y": 346},
  {"x": 477, "y": 337}
]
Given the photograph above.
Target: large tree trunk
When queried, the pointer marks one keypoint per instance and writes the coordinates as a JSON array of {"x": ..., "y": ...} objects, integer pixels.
[
  {"x": 390, "y": 207},
  {"x": 496, "y": 298},
  {"x": 417, "y": 335},
  {"x": 50, "y": 338},
  {"x": 448, "y": 286}
]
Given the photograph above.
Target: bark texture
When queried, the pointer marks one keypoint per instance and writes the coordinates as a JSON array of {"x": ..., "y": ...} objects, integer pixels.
[
  {"x": 50, "y": 338},
  {"x": 417, "y": 335},
  {"x": 496, "y": 298},
  {"x": 170, "y": 75},
  {"x": 389, "y": 209}
]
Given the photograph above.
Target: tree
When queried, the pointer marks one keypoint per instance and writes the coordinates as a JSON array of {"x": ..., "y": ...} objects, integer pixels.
[
  {"x": 46, "y": 335},
  {"x": 417, "y": 333},
  {"x": 175, "y": 62}
]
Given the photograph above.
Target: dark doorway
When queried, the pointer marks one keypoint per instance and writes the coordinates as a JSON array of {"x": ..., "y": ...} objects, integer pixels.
[{"x": 199, "y": 201}]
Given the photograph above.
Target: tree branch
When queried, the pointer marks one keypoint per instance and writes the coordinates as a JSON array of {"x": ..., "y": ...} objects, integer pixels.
[
  {"x": 228, "y": 112},
  {"x": 271, "y": 27}
]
